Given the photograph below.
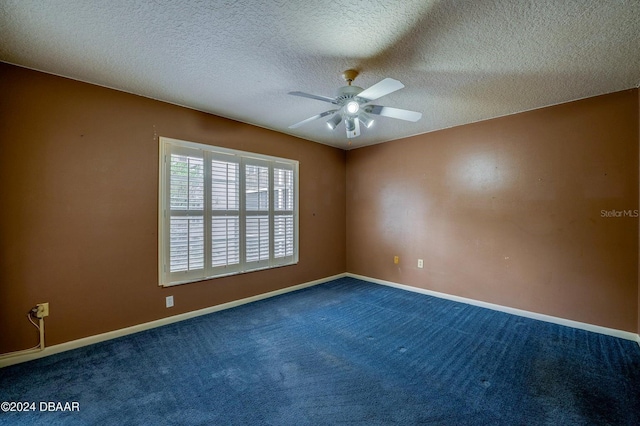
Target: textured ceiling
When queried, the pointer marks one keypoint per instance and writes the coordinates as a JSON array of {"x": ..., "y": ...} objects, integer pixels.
[{"x": 461, "y": 61}]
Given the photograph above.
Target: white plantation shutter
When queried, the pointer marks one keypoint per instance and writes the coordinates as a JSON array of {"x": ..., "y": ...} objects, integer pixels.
[
  {"x": 283, "y": 188},
  {"x": 223, "y": 212},
  {"x": 257, "y": 187},
  {"x": 257, "y": 214},
  {"x": 225, "y": 241},
  {"x": 186, "y": 223},
  {"x": 257, "y": 241},
  {"x": 225, "y": 184},
  {"x": 187, "y": 244},
  {"x": 283, "y": 236},
  {"x": 283, "y": 221}
]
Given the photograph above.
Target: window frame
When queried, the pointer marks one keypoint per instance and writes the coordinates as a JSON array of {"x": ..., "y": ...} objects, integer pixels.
[{"x": 210, "y": 153}]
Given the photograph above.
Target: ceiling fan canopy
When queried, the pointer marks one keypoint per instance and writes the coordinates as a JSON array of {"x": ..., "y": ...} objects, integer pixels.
[{"x": 352, "y": 105}]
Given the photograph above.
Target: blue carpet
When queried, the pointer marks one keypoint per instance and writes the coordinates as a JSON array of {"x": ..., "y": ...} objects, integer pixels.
[{"x": 344, "y": 352}]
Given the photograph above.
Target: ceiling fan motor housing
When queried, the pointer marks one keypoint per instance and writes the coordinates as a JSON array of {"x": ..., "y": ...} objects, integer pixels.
[{"x": 348, "y": 92}]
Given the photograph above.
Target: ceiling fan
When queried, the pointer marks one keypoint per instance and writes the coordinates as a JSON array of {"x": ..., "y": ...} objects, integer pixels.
[{"x": 352, "y": 105}]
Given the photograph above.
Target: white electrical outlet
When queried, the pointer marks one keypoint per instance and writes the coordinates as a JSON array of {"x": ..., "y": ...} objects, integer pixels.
[
  {"x": 169, "y": 301},
  {"x": 420, "y": 263}
]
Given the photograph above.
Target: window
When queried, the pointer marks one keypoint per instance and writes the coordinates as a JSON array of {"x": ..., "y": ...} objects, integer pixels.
[{"x": 224, "y": 212}]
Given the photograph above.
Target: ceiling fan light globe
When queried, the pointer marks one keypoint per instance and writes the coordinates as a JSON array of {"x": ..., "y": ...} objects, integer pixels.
[
  {"x": 352, "y": 107},
  {"x": 334, "y": 121},
  {"x": 350, "y": 124},
  {"x": 365, "y": 119}
]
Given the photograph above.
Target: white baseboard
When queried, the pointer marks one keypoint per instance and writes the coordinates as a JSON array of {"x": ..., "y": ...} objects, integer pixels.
[
  {"x": 534, "y": 315},
  {"x": 74, "y": 344}
]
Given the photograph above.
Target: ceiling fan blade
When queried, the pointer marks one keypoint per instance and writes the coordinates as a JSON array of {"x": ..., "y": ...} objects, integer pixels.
[
  {"x": 355, "y": 131},
  {"x": 398, "y": 113},
  {"x": 315, "y": 117},
  {"x": 380, "y": 89},
  {"x": 317, "y": 97}
]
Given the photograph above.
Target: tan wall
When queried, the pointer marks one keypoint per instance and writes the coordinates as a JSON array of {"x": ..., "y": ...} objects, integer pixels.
[
  {"x": 78, "y": 222},
  {"x": 508, "y": 211}
]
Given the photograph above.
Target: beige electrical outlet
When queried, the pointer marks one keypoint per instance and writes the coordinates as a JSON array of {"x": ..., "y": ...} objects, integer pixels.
[{"x": 43, "y": 310}]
